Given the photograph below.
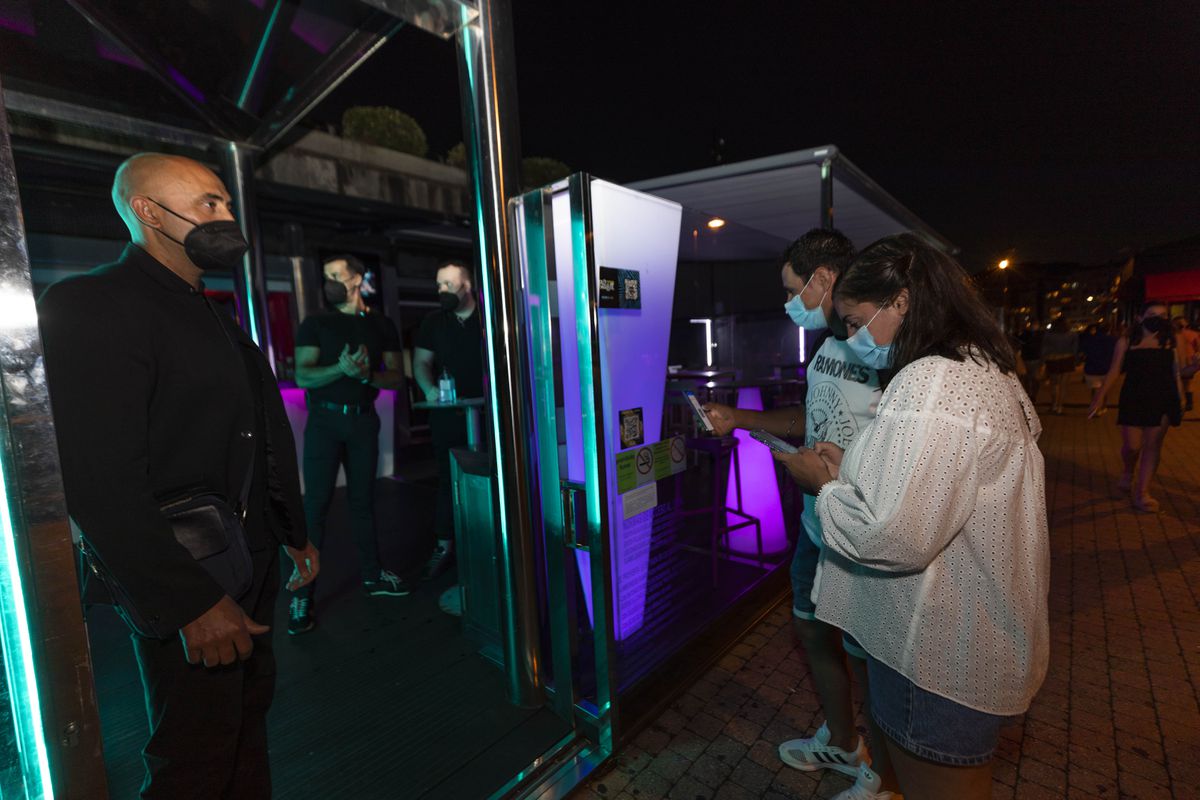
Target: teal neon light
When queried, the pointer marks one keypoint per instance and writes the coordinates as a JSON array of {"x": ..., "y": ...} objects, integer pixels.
[
  {"x": 470, "y": 35},
  {"x": 250, "y": 304},
  {"x": 18, "y": 657},
  {"x": 541, "y": 338},
  {"x": 258, "y": 56},
  {"x": 583, "y": 330},
  {"x": 596, "y": 494}
]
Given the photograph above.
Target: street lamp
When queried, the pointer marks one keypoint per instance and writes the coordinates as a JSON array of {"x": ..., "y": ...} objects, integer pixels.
[{"x": 1003, "y": 266}]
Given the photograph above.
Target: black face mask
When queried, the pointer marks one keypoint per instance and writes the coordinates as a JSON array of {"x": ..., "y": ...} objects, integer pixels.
[
  {"x": 449, "y": 300},
  {"x": 1156, "y": 324},
  {"x": 216, "y": 245},
  {"x": 336, "y": 292}
]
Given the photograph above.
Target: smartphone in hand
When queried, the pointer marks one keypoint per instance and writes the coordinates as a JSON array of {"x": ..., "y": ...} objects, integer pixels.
[
  {"x": 774, "y": 442},
  {"x": 698, "y": 410}
]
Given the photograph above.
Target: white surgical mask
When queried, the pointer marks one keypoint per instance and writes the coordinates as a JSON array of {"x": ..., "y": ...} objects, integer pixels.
[{"x": 812, "y": 319}]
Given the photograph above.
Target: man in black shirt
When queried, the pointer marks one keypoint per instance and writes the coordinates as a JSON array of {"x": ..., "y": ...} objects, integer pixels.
[
  {"x": 155, "y": 391},
  {"x": 450, "y": 339},
  {"x": 343, "y": 358}
]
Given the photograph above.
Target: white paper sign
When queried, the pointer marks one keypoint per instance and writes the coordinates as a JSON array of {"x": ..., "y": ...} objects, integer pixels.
[{"x": 640, "y": 499}]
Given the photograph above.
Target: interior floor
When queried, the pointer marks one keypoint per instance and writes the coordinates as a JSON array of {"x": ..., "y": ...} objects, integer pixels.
[{"x": 384, "y": 699}]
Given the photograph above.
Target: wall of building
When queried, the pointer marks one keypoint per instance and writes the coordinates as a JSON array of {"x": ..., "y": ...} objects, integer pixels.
[{"x": 330, "y": 164}]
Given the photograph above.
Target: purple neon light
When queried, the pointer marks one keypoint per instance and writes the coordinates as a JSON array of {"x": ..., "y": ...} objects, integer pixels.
[
  {"x": 760, "y": 491},
  {"x": 114, "y": 51},
  {"x": 640, "y": 232},
  {"x": 16, "y": 15},
  {"x": 188, "y": 87}
]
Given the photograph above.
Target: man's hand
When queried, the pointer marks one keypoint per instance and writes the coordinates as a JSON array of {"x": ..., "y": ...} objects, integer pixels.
[
  {"x": 431, "y": 394},
  {"x": 355, "y": 365},
  {"x": 307, "y": 563},
  {"x": 809, "y": 470},
  {"x": 723, "y": 418},
  {"x": 831, "y": 454},
  {"x": 220, "y": 635}
]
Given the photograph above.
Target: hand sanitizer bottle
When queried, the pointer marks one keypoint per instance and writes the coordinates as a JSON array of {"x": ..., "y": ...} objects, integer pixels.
[{"x": 446, "y": 391}]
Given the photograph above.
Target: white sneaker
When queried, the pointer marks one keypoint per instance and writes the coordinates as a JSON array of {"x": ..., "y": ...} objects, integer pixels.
[
  {"x": 866, "y": 787},
  {"x": 817, "y": 753}
]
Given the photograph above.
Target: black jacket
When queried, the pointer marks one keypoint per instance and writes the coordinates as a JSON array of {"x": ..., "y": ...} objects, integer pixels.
[{"x": 150, "y": 397}]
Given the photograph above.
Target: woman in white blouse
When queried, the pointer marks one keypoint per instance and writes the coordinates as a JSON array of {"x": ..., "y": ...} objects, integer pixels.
[{"x": 934, "y": 521}]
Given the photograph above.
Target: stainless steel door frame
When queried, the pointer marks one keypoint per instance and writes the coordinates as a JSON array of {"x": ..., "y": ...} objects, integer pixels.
[
  {"x": 595, "y": 501},
  {"x": 487, "y": 77},
  {"x": 563, "y": 521},
  {"x": 46, "y": 649}
]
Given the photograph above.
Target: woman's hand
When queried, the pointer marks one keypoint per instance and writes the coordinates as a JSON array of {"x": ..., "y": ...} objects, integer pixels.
[
  {"x": 831, "y": 454},
  {"x": 1094, "y": 408},
  {"x": 809, "y": 470}
]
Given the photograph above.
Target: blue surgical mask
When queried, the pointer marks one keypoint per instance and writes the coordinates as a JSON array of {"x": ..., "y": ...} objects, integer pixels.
[
  {"x": 862, "y": 344},
  {"x": 812, "y": 319}
]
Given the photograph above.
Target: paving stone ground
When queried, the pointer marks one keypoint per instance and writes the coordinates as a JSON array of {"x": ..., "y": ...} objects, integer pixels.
[{"x": 1118, "y": 715}]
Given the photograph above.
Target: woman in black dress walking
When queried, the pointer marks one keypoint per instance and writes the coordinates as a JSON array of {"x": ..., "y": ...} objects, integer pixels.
[{"x": 1151, "y": 399}]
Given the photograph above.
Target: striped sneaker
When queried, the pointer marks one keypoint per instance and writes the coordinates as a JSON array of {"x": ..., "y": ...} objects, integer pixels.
[
  {"x": 868, "y": 786},
  {"x": 817, "y": 753}
]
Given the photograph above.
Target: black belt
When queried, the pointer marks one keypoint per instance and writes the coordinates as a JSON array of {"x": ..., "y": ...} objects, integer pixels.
[{"x": 343, "y": 408}]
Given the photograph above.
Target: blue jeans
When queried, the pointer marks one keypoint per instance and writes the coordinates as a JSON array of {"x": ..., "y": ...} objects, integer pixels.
[
  {"x": 804, "y": 573},
  {"x": 928, "y": 725}
]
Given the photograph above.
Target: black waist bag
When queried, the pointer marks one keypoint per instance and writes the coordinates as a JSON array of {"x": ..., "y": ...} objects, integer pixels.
[{"x": 211, "y": 531}]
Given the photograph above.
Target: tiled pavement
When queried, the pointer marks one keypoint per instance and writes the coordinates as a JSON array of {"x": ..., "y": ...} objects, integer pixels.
[{"x": 1116, "y": 717}]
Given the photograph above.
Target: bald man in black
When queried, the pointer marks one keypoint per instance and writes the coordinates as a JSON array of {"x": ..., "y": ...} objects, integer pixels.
[{"x": 154, "y": 391}]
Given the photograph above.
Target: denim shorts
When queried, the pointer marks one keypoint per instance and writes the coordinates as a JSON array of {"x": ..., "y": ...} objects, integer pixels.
[
  {"x": 804, "y": 573},
  {"x": 928, "y": 725}
]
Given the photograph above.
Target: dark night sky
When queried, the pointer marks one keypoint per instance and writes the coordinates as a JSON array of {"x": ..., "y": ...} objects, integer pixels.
[{"x": 1058, "y": 133}]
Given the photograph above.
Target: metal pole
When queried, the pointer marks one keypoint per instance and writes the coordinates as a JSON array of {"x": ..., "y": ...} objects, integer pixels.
[
  {"x": 302, "y": 283},
  {"x": 49, "y": 669},
  {"x": 826, "y": 220},
  {"x": 250, "y": 283},
  {"x": 487, "y": 76}
]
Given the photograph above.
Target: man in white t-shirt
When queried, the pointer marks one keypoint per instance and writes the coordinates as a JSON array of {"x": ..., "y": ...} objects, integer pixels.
[{"x": 841, "y": 398}]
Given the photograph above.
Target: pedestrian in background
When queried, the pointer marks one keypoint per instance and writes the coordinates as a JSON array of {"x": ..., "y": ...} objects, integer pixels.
[
  {"x": 1188, "y": 342},
  {"x": 1150, "y": 402},
  {"x": 1096, "y": 349},
  {"x": 1030, "y": 340},
  {"x": 1059, "y": 347}
]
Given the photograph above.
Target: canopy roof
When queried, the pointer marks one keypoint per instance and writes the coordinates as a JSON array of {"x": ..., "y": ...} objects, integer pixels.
[
  {"x": 781, "y": 196},
  {"x": 242, "y": 70}
]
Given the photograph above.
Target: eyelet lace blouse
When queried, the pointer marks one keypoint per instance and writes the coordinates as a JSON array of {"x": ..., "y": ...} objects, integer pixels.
[{"x": 937, "y": 556}]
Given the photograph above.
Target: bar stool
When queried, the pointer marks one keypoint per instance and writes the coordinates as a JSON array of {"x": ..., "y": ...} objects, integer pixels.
[{"x": 723, "y": 454}]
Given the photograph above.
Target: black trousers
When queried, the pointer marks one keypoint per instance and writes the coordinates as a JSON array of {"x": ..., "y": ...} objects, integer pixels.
[
  {"x": 208, "y": 726},
  {"x": 333, "y": 439},
  {"x": 449, "y": 429}
]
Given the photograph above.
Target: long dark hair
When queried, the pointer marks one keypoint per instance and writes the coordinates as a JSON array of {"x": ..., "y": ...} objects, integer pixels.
[
  {"x": 946, "y": 317},
  {"x": 1166, "y": 337}
]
